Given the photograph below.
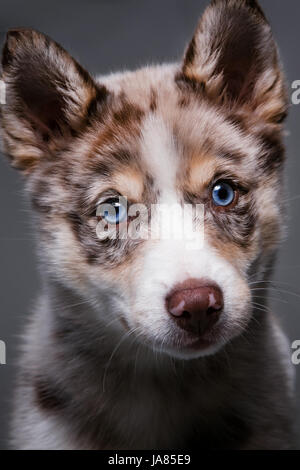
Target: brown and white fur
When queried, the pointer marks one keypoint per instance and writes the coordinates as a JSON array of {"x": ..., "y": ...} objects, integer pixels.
[{"x": 104, "y": 365}]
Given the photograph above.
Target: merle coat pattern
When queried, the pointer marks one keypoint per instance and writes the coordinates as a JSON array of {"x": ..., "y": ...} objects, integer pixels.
[{"x": 103, "y": 365}]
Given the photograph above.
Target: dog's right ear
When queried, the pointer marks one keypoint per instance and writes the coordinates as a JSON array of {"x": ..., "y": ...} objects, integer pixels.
[
  {"x": 48, "y": 97},
  {"x": 233, "y": 59}
]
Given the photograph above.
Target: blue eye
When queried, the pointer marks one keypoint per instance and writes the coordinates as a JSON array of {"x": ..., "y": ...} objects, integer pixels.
[
  {"x": 113, "y": 210},
  {"x": 223, "y": 194}
]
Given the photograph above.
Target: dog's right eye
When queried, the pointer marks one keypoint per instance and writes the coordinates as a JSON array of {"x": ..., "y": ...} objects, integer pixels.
[
  {"x": 223, "y": 194},
  {"x": 113, "y": 210}
]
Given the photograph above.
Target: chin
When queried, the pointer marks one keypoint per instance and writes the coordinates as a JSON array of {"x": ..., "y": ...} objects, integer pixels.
[
  {"x": 197, "y": 351},
  {"x": 189, "y": 346}
]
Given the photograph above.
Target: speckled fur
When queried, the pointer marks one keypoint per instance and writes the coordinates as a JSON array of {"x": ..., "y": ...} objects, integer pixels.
[{"x": 103, "y": 365}]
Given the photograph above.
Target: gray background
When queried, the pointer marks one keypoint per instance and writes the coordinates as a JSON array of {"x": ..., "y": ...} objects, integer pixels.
[{"x": 107, "y": 35}]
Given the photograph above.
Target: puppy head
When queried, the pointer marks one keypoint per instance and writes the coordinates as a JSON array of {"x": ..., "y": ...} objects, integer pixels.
[{"x": 207, "y": 131}]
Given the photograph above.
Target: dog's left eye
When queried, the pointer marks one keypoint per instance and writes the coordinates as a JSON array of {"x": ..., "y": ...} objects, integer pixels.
[
  {"x": 223, "y": 194},
  {"x": 113, "y": 210}
]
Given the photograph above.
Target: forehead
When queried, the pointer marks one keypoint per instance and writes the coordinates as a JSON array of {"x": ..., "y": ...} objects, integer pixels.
[{"x": 155, "y": 130}]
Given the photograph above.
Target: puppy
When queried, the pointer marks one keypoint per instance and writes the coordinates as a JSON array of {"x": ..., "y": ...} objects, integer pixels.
[{"x": 146, "y": 342}]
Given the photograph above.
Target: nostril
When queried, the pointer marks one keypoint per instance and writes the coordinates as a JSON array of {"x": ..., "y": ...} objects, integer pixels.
[
  {"x": 211, "y": 310},
  {"x": 185, "y": 314},
  {"x": 195, "y": 305}
]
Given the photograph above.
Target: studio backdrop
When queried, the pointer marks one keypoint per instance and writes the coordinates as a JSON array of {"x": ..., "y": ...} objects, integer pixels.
[{"x": 112, "y": 35}]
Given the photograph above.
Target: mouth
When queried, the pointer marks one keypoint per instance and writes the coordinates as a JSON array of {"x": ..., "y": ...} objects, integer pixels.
[
  {"x": 184, "y": 345},
  {"x": 192, "y": 348},
  {"x": 194, "y": 342},
  {"x": 201, "y": 344}
]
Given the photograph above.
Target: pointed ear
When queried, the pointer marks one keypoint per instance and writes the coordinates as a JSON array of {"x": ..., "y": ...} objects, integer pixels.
[
  {"x": 234, "y": 58},
  {"x": 48, "y": 97}
]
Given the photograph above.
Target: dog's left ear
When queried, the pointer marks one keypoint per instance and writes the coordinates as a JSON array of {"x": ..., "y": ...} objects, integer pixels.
[
  {"x": 49, "y": 98},
  {"x": 233, "y": 59}
]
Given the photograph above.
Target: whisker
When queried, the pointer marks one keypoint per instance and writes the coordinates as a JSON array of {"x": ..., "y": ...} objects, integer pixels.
[
  {"x": 275, "y": 299},
  {"x": 123, "y": 338},
  {"x": 261, "y": 307},
  {"x": 270, "y": 282},
  {"x": 293, "y": 198},
  {"x": 112, "y": 322},
  {"x": 64, "y": 306},
  {"x": 277, "y": 288},
  {"x": 136, "y": 359},
  {"x": 283, "y": 291}
]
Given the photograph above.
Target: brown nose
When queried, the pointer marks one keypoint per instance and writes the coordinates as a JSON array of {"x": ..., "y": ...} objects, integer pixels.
[{"x": 195, "y": 305}]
